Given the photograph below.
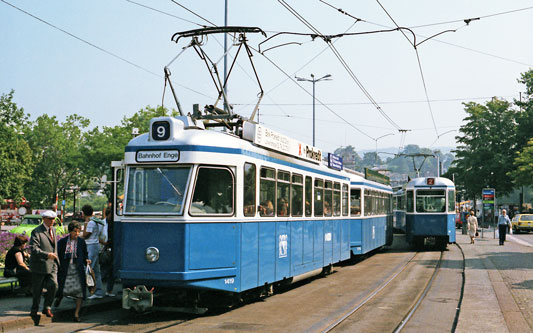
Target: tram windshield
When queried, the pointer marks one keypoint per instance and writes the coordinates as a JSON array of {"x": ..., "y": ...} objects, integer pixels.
[
  {"x": 156, "y": 189},
  {"x": 430, "y": 201}
]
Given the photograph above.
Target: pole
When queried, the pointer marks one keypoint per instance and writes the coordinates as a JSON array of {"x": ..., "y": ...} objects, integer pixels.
[
  {"x": 313, "y": 111},
  {"x": 225, "y": 50}
]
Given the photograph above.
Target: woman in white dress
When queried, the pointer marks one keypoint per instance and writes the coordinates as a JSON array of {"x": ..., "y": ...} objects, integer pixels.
[{"x": 472, "y": 226}]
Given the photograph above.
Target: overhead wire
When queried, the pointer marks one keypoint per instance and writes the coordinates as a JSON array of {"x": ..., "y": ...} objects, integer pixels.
[
  {"x": 301, "y": 67},
  {"x": 467, "y": 21},
  {"x": 96, "y": 46},
  {"x": 390, "y": 102},
  {"x": 414, "y": 45},
  {"x": 342, "y": 61},
  {"x": 470, "y": 19},
  {"x": 164, "y": 13},
  {"x": 290, "y": 77}
]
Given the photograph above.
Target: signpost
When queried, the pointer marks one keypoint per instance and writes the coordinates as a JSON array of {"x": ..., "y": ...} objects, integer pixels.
[{"x": 488, "y": 197}]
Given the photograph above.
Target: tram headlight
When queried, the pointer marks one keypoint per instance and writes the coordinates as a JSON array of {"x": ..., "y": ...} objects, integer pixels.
[{"x": 152, "y": 254}]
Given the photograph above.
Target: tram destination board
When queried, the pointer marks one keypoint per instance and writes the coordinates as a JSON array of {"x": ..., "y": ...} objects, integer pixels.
[{"x": 148, "y": 156}]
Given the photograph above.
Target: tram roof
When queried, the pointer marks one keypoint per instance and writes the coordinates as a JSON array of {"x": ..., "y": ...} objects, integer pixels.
[
  {"x": 201, "y": 140},
  {"x": 423, "y": 182}
]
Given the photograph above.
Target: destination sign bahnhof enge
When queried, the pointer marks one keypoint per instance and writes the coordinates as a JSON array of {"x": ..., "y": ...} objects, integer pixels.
[{"x": 157, "y": 156}]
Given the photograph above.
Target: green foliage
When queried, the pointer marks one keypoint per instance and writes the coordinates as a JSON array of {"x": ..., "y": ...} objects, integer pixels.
[
  {"x": 349, "y": 156},
  {"x": 484, "y": 155},
  {"x": 57, "y": 153},
  {"x": 523, "y": 174},
  {"x": 15, "y": 155}
]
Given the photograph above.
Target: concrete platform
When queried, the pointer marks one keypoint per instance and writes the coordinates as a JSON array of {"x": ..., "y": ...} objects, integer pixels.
[{"x": 15, "y": 309}]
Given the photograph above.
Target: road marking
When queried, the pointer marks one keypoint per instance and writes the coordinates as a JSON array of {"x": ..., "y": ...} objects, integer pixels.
[{"x": 519, "y": 241}]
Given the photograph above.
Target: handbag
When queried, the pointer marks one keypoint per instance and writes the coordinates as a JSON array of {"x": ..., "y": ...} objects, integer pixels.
[
  {"x": 90, "y": 279},
  {"x": 477, "y": 234},
  {"x": 9, "y": 272},
  {"x": 105, "y": 257}
]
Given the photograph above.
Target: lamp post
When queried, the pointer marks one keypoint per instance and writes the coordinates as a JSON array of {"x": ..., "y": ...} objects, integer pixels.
[
  {"x": 313, "y": 80},
  {"x": 376, "y": 139}
]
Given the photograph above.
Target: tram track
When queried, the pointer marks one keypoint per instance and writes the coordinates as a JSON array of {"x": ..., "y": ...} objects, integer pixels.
[{"x": 415, "y": 304}]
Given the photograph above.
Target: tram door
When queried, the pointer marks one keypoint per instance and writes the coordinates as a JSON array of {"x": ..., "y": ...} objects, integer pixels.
[{"x": 117, "y": 167}]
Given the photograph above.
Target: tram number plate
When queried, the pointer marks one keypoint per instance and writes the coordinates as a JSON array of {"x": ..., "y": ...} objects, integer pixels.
[{"x": 229, "y": 281}]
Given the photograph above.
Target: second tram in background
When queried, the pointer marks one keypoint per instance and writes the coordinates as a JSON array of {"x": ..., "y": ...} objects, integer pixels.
[{"x": 430, "y": 211}]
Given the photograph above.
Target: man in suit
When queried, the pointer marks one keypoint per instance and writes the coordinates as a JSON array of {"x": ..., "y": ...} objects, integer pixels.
[{"x": 44, "y": 264}]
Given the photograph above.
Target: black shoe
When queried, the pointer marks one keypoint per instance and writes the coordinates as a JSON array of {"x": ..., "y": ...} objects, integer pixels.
[
  {"x": 36, "y": 319},
  {"x": 77, "y": 319}
]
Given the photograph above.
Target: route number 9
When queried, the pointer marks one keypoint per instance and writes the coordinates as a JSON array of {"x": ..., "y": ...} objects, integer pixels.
[{"x": 160, "y": 130}]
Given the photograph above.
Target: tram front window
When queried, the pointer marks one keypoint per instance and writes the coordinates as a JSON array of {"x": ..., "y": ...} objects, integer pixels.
[
  {"x": 156, "y": 189},
  {"x": 430, "y": 201}
]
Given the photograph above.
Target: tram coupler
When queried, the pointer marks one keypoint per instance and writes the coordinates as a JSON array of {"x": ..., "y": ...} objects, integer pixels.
[{"x": 140, "y": 298}]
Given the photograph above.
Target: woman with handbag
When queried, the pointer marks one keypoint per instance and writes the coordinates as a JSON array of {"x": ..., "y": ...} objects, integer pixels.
[
  {"x": 16, "y": 266},
  {"x": 73, "y": 258},
  {"x": 472, "y": 226}
]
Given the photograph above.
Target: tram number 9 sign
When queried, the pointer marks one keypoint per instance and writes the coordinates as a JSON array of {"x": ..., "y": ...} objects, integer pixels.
[{"x": 160, "y": 130}]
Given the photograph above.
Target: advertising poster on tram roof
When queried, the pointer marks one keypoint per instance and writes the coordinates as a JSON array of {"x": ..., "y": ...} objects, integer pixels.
[{"x": 265, "y": 137}]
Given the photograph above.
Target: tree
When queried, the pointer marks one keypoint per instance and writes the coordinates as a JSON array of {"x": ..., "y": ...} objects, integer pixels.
[
  {"x": 15, "y": 154},
  {"x": 106, "y": 145},
  {"x": 523, "y": 174},
  {"x": 350, "y": 157},
  {"x": 524, "y": 134},
  {"x": 485, "y": 152},
  {"x": 57, "y": 152}
]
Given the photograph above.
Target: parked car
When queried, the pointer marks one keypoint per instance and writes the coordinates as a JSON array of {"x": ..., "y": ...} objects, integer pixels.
[
  {"x": 522, "y": 222},
  {"x": 30, "y": 222}
]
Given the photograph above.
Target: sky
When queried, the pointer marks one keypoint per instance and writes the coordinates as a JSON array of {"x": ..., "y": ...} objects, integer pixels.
[{"x": 104, "y": 60}]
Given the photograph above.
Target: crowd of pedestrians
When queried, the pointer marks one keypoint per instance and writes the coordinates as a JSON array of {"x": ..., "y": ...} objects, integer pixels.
[{"x": 59, "y": 268}]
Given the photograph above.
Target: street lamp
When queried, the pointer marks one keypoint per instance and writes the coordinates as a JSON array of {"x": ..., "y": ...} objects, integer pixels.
[
  {"x": 376, "y": 139},
  {"x": 313, "y": 80}
]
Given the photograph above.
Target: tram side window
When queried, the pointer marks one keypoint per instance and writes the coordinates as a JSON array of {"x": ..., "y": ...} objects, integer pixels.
[
  {"x": 284, "y": 187},
  {"x": 249, "y": 189},
  {"x": 451, "y": 200},
  {"x": 308, "y": 195},
  {"x": 267, "y": 192},
  {"x": 213, "y": 192},
  {"x": 389, "y": 203},
  {"x": 368, "y": 203},
  {"x": 345, "y": 200},
  {"x": 319, "y": 197},
  {"x": 410, "y": 202},
  {"x": 328, "y": 198},
  {"x": 336, "y": 199},
  {"x": 355, "y": 202},
  {"x": 296, "y": 195}
]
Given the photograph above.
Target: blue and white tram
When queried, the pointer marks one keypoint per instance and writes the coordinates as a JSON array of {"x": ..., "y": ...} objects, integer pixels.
[
  {"x": 207, "y": 210},
  {"x": 399, "y": 210},
  {"x": 430, "y": 211}
]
